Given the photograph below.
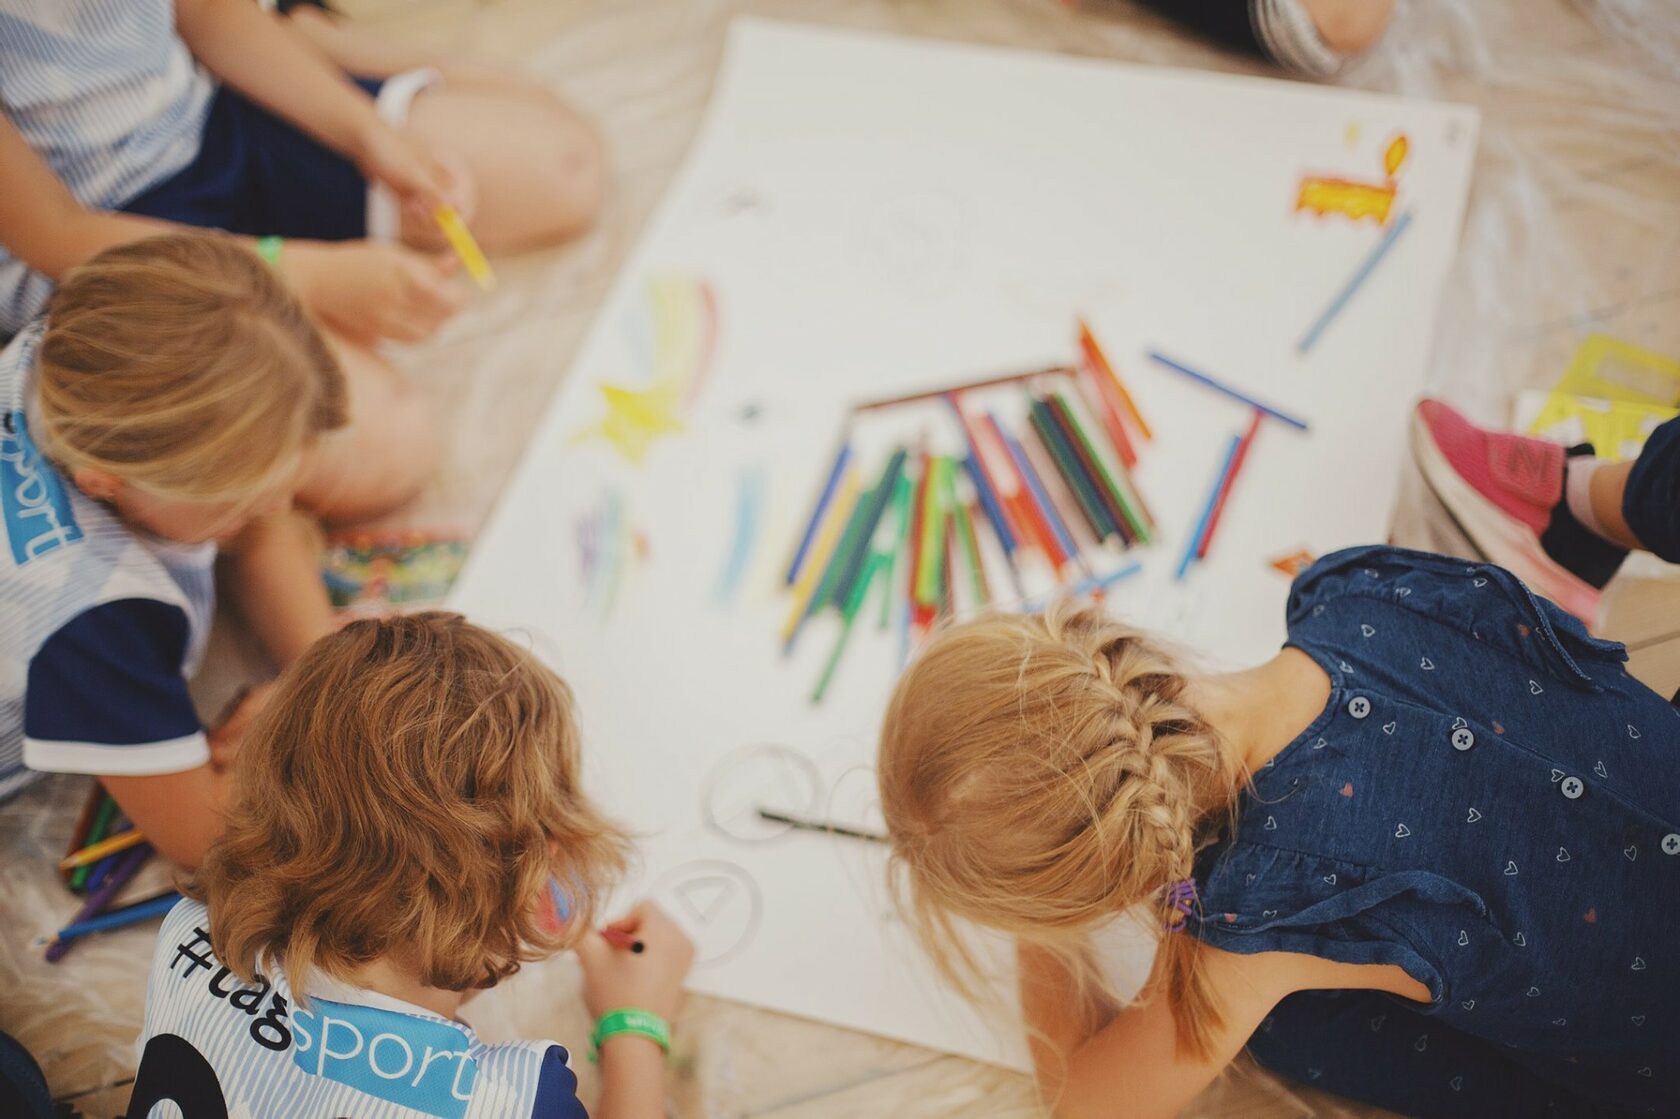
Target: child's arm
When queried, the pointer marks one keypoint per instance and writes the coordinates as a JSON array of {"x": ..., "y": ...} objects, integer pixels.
[
  {"x": 244, "y": 46},
  {"x": 1093, "y": 1059},
  {"x": 179, "y": 813},
  {"x": 276, "y": 584}
]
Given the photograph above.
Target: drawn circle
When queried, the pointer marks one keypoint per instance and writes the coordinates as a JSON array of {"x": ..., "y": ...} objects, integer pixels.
[
  {"x": 770, "y": 777},
  {"x": 717, "y": 903}
]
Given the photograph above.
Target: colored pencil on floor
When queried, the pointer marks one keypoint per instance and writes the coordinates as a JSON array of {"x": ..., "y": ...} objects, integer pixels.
[
  {"x": 99, "y": 870},
  {"x": 933, "y": 534},
  {"x": 1082, "y": 481},
  {"x": 1195, "y": 540},
  {"x": 1230, "y": 482},
  {"x": 1125, "y": 517},
  {"x": 102, "y": 821},
  {"x": 1040, "y": 497},
  {"x": 903, "y": 494},
  {"x": 877, "y": 565},
  {"x": 1354, "y": 282},
  {"x": 132, "y": 914},
  {"x": 1062, "y": 497},
  {"x": 1093, "y": 584},
  {"x": 97, "y": 851},
  {"x": 84, "y": 823},
  {"x": 825, "y": 497},
  {"x": 98, "y": 899},
  {"x": 994, "y": 516},
  {"x": 879, "y": 498},
  {"x": 1032, "y": 509},
  {"x": 1099, "y": 361},
  {"x": 1220, "y": 387}
]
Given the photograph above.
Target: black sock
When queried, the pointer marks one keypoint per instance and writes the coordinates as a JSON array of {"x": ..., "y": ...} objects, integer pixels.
[{"x": 1577, "y": 548}]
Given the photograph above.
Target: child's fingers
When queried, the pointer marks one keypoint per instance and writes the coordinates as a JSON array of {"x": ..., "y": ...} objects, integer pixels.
[{"x": 592, "y": 949}]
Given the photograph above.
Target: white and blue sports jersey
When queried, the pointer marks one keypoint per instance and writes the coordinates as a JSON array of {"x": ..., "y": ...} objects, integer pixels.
[
  {"x": 99, "y": 625},
  {"x": 106, "y": 93},
  {"x": 212, "y": 1045}
]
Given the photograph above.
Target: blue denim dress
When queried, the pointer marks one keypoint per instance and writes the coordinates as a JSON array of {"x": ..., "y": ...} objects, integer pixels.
[{"x": 1490, "y": 802}]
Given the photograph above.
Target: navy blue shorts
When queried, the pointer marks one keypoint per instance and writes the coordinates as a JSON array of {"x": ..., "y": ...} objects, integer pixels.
[
  {"x": 1651, "y": 501},
  {"x": 259, "y": 175}
]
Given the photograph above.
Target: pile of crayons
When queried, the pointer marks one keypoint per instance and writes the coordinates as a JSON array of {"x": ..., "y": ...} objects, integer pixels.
[
  {"x": 105, "y": 854},
  {"x": 1057, "y": 493}
]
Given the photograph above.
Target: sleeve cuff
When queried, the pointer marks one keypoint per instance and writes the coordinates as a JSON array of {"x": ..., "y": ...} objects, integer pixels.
[{"x": 174, "y": 755}]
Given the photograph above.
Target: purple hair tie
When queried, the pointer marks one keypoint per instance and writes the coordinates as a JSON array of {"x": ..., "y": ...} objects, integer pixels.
[{"x": 1181, "y": 896}]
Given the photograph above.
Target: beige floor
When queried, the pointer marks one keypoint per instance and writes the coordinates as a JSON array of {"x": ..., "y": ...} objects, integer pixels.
[{"x": 1574, "y": 226}]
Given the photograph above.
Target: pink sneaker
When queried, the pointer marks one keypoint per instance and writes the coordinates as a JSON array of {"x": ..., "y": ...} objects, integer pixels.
[{"x": 1500, "y": 489}]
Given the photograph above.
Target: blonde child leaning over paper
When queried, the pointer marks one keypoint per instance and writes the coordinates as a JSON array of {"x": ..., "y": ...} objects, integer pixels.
[{"x": 174, "y": 399}]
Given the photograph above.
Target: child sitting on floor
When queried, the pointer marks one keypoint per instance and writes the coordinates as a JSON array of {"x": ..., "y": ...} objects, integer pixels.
[
  {"x": 402, "y": 811},
  {"x": 1427, "y": 856},
  {"x": 174, "y": 397}
]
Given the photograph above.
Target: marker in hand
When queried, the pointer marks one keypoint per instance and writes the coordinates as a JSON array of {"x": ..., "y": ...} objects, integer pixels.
[{"x": 618, "y": 938}]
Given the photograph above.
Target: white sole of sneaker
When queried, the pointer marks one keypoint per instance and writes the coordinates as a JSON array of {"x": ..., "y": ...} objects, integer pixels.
[{"x": 1500, "y": 538}]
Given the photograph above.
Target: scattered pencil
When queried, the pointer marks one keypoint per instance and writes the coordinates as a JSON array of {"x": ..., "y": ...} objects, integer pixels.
[
  {"x": 824, "y": 498},
  {"x": 461, "y": 240},
  {"x": 1099, "y": 362},
  {"x": 1092, "y": 585},
  {"x": 104, "y": 847},
  {"x": 98, "y": 830},
  {"x": 1194, "y": 542},
  {"x": 1229, "y": 483},
  {"x": 132, "y": 914},
  {"x": 803, "y": 823},
  {"x": 98, "y": 899},
  {"x": 1221, "y": 387},
  {"x": 1354, "y": 282}
]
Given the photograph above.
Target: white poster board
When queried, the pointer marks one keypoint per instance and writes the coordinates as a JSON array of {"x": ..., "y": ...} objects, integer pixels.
[{"x": 864, "y": 216}]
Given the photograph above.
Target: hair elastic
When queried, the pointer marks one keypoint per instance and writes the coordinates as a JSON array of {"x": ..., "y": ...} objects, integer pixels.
[{"x": 1181, "y": 896}]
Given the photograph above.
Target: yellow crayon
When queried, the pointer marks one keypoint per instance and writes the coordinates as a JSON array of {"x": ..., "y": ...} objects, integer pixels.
[{"x": 461, "y": 240}]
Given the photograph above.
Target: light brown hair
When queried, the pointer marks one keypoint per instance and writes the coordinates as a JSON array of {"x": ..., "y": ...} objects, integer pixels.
[
  {"x": 1041, "y": 774},
  {"x": 408, "y": 793},
  {"x": 182, "y": 365}
]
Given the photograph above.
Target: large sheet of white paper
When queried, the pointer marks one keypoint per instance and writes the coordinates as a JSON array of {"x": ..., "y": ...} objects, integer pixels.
[{"x": 864, "y": 216}]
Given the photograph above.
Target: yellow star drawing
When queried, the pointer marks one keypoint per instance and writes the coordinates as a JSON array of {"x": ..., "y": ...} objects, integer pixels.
[{"x": 637, "y": 417}]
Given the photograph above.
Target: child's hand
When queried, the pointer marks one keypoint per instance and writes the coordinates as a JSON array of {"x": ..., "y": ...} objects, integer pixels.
[
  {"x": 420, "y": 177},
  {"x": 368, "y": 291},
  {"x": 229, "y": 731},
  {"x": 651, "y": 980}
]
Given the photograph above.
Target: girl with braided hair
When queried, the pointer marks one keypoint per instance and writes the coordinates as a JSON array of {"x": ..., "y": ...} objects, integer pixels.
[{"x": 1427, "y": 856}]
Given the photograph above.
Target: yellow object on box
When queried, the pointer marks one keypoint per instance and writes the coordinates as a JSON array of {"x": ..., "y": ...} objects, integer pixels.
[{"x": 1613, "y": 395}]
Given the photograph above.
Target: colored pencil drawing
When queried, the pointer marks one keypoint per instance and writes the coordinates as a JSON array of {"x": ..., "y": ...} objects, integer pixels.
[
  {"x": 768, "y": 776},
  {"x": 717, "y": 902},
  {"x": 752, "y": 493},
  {"x": 607, "y": 547},
  {"x": 369, "y": 572},
  {"x": 1291, "y": 564},
  {"x": 1324, "y": 195},
  {"x": 675, "y": 337}
]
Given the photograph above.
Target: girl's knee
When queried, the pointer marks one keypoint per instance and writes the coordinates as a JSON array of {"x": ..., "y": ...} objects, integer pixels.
[{"x": 571, "y": 170}]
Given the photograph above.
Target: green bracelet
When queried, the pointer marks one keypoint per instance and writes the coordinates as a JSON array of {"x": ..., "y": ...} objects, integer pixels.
[
  {"x": 629, "y": 1021},
  {"x": 269, "y": 248}
]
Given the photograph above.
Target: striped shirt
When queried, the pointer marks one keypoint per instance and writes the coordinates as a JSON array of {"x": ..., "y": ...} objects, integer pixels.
[
  {"x": 214, "y": 1045},
  {"x": 108, "y": 95}
]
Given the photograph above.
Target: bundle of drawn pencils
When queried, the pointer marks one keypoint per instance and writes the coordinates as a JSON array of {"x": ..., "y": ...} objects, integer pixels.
[
  {"x": 104, "y": 855},
  {"x": 1033, "y": 481}
]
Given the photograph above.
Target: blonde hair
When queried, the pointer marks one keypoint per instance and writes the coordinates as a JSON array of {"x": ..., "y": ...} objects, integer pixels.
[
  {"x": 1040, "y": 774},
  {"x": 409, "y": 792},
  {"x": 182, "y": 365}
]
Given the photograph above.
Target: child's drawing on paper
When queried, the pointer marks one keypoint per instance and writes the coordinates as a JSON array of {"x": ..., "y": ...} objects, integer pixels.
[
  {"x": 607, "y": 547},
  {"x": 675, "y": 335},
  {"x": 1356, "y": 201}
]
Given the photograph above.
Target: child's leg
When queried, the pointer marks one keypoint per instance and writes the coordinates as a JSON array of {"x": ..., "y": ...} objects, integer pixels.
[
  {"x": 1637, "y": 504},
  {"x": 274, "y": 580},
  {"x": 539, "y": 169},
  {"x": 1368, "y": 1047},
  {"x": 386, "y": 454}
]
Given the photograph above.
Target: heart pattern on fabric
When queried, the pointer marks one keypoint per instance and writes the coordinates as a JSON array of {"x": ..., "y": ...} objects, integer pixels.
[
  {"x": 1330, "y": 879},
  {"x": 1478, "y": 581},
  {"x": 1473, "y": 817},
  {"x": 1557, "y": 775},
  {"x": 1314, "y": 1074},
  {"x": 1402, "y": 832},
  {"x": 1377, "y": 1022},
  {"x": 1347, "y": 789},
  {"x": 1560, "y": 1021},
  {"x": 1402, "y": 592},
  {"x": 1248, "y": 879},
  {"x": 1600, "y": 770},
  {"x": 1456, "y": 1083},
  {"x": 1388, "y": 728},
  {"x": 1637, "y": 1019},
  {"x": 1459, "y": 723},
  {"x": 1510, "y": 868},
  {"x": 1534, "y": 687},
  {"x": 1268, "y": 914},
  {"x": 1271, "y": 823},
  {"x": 1463, "y": 938},
  {"x": 1638, "y": 963},
  {"x": 1366, "y": 630},
  {"x": 1320, "y": 744},
  {"x": 1520, "y": 941},
  {"x": 1427, "y": 665},
  {"x": 1633, "y": 731},
  {"x": 1646, "y": 1071},
  {"x": 1345, "y": 666},
  {"x": 1630, "y": 852},
  {"x": 1532, "y": 992},
  {"x": 1421, "y": 1043},
  {"x": 1468, "y": 1004},
  {"x": 1563, "y": 854}
]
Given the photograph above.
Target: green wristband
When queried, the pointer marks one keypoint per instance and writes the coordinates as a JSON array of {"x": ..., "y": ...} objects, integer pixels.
[
  {"x": 629, "y": 1021},
  {"x": 269, "y": 248}
]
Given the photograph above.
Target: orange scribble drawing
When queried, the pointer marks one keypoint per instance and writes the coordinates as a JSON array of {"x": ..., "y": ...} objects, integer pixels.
[
  {"x": 1356, "y": 201},
  {"x": 1294, "y": 563}
]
